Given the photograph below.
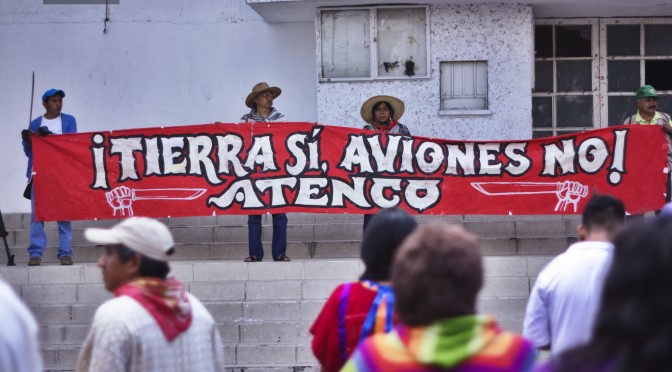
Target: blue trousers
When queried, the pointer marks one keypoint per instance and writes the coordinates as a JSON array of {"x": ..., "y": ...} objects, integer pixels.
[
  {"x": 38, "y": 238},
  {"x": 279, "y": 242}
]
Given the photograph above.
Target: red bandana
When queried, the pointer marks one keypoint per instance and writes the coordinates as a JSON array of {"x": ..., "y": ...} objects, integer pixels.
[
  {"x": 165, "y": 300},
  {"x": 386, "y": 128}
]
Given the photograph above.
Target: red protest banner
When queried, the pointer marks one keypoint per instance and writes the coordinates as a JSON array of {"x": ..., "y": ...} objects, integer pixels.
[{"x": 215, "y": 169}]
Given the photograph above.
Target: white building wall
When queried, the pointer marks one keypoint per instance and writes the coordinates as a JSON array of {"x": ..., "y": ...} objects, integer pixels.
[
  {"x": 161, "y": 63},
  {"x": 501, "y": 34}
]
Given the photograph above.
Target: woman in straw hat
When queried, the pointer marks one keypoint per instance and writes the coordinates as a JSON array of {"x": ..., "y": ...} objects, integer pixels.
[
  {"x": 382, "y": 114},
  {"x": 260, "y": 101}
]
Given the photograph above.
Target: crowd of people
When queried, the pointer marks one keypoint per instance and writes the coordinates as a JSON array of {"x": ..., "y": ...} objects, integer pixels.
[
  {"x": 603, "y": 305},
  {"x": 600, "y": 306}
]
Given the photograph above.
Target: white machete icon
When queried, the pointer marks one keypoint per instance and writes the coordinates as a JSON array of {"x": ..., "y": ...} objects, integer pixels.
[
  {"x": 568, "y": 192},
  {"x": 121, "y": 198}
]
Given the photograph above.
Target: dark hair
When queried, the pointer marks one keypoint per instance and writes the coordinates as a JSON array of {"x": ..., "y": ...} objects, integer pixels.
[
  {"x": 633, "y": 327},
  {"x": 149, "y": 267},
  {"x": 603, "y": 212},
  {"x": 375, "y": 107},
  {"x": 437, "y": 274},
  {"x": 382, "y": 238}
]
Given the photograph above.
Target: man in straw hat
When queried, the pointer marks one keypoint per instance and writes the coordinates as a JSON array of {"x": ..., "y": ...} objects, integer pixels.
[
  {"x": 152, "y": 324},
  {"x": 260, "y": 101},
  {"x": 647, "y": 114},
  {"x": 382, "y": 114}
]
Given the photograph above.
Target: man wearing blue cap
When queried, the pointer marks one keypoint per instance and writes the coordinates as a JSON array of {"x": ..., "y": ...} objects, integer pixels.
[
  {"x": 647, "y": 104},
  {"x": 52, "y": 122}
]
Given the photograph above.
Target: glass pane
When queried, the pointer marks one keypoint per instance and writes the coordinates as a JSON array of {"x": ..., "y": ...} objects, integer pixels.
[
  {"x": 620, "y": 108},
  {"x": 574, "y": 76},
  {"x": 543, "y": 76},
  {"x": 574, "y": 111},
  {"x": 623, "y": 76},
  {"x": 658, "y": 74},
  {"x": 658, "y": 40},
  {"x": 542, "y": 112},
  {"x": 542, "y": 133},
  {"x": 543, "y": 41},
  {"x": 665, "y": 103},
  {"x": 402, "y": 44},
  {"x": 623, "y": 40},
  {"x": 345, "y": 43},
  {"x": 573, "y": 41}
]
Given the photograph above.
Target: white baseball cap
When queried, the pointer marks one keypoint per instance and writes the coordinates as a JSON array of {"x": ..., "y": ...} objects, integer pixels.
[{"x": 146, "y": 236}]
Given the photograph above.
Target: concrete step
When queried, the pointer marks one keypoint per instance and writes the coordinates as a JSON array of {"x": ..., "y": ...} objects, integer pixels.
[
  {"x": 312, "y": 227},
  {"x": 324, "y": 249},
  {"x": 263, "y": 310}
]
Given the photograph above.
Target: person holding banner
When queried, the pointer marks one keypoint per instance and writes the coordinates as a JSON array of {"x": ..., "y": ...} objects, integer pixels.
[
  {"x": 647, "y": 104},
  {"x": 52, "y": 122},
  {"x": 382, "y": 114},
  {"x": 260, "y": 102}
]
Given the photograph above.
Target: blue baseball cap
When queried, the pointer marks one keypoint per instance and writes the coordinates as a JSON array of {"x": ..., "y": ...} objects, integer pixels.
[{"x": 52, "y": 92}]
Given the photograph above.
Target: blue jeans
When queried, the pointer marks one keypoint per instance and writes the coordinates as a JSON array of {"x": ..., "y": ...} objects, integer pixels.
[
  {"x": 279, "y": 242},
  {"x": 38, "y": 239}
]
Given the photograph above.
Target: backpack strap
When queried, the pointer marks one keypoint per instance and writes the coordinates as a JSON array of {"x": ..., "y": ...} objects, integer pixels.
[{"x": 342, "y": 330}]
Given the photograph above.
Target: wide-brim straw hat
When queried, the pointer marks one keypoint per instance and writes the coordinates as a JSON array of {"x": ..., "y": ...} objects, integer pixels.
[
  {"x": 259, "y": 89},
  {"x": 396, "y": 103}
]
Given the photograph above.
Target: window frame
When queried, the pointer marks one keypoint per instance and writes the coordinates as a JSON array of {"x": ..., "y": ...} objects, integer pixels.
[
  {"x": 595, "y": 76},
  {"x": 600, "y": 76},
  {"x": 443, "y": 111},
  {"x": 373, "y": 44},
  {"x": 642, "y": 58}
]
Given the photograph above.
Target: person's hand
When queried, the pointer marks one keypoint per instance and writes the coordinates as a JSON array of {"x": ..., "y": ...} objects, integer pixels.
[
  {"x": 25, "y": 135},
  {"x": 43, "y": 131}
]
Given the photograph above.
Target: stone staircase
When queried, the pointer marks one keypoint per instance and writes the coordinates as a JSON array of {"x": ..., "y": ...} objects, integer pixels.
[{"x": 264, "y": 310}]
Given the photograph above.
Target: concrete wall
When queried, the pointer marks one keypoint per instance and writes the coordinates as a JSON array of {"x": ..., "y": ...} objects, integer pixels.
[
  {"x": 499, "y": 34},
  {"x": 161, "y": 63},
  {"x": 173, "y": 62}
]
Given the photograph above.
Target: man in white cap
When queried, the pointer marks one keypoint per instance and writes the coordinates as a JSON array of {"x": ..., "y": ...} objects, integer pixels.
[
  {"x": 260, "y": 102},
  {"x": 152, "y": 324}
]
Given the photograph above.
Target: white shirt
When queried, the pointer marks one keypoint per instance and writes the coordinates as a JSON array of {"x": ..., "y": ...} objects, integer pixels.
[
  {"x": 19, "y": 345},
  {"x": 55, "y": 125},
  {"x": 125, "y": 337},
  {"x": 565, "y": 299}
]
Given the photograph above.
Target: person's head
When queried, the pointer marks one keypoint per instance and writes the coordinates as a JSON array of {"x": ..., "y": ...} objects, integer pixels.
[
  {"x": 262, "y": 96},
  {"x": 633, "y": 327},
  {"x": 382, "y": 238},
  {"x": 382, "y": 112},
  {"x": 603, "y": 215},
  {"x": 647, "y": 100},
  {"x": 382, "y": 109},
  {"x": 437, "y": 274},
  {"x": 136, "y": 247},
  {"x": 52, "y": 100}
]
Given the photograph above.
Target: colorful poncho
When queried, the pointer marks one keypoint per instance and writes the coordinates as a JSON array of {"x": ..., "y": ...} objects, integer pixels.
[
  {"x": 465, "y": 344},
  {"x": 350, "y": 314}
]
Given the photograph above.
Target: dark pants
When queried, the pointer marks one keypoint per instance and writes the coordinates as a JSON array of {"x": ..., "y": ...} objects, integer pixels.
[
  {"x": 367, "y": 219},
  {"x": 279, "y": 242}
]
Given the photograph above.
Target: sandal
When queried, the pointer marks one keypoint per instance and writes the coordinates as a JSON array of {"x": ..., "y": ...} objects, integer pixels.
[
  {"x": 251, "y": 259},
  {"x": 282, "y": 258}
]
